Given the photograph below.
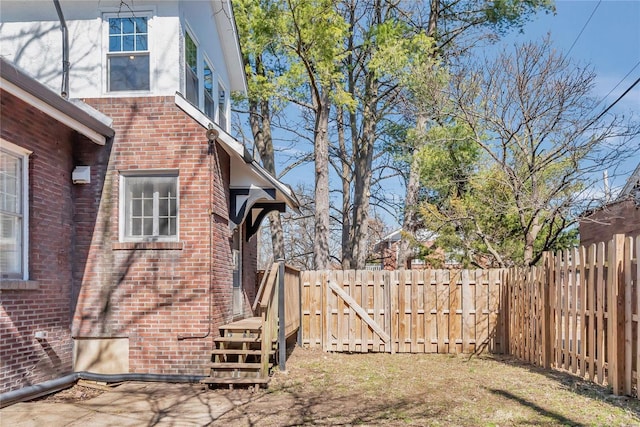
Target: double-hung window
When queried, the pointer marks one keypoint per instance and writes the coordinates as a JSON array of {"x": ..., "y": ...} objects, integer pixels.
[
  {"x": 149, "y": 206},
  {"x": 128, "y": 67},
  {"x": 202, "y": 87},
  {"x": 222, "y": 107},
  {"x": 209, "y": 103},
  {"x": 191, "y": 69},
  {"x": 14, "y": 198}
]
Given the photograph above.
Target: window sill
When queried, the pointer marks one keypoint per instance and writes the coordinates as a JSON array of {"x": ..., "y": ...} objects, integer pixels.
[
  {"x": 19, "y": 285},
  {"x": 158, "y": 246}
]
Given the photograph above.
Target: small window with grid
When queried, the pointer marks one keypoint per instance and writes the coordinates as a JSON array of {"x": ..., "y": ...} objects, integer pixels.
[{"x": 150, "y": 207}]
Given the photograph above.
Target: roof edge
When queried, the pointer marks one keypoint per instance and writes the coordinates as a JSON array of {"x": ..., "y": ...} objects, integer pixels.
[{"x": 79, "y": 116}]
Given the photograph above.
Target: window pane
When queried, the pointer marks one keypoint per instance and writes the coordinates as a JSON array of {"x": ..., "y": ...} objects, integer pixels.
[
  {"x": 141, "y": 43},
  {"x": 136, "y": 207},
  {"x": 209, "y": 106},
  {"x": 130, "y": 72},
  {"x": 10, "y": 183},
  {"x": 114, "y": 44},
  {"x": 148, "y": 226},
  {"x": 128, "y": 34},
  {"x": 115, "y": 26},
  {"x": 141, "y": 25},
  {"x": 191, "y": 53},
  {"x": 164, "y": 230},
  {"x": 147, "y": 209},
  {"x": 208, "y": 80},
  {"x": 191, "y": 87},
  {"x": 127, "y": 25},
  {"x": 128, "y": 43},
  {"x": 136, "y": 227},
  {"x": 163, "y": 207},
  {"x": 10, "y": 246}
]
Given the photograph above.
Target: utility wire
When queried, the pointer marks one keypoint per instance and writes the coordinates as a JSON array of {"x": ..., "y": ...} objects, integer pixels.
[
  {"x": 583, "y": 28},
  {"x": 612, "y": 104},
  {"x": 616, "y": 86}
]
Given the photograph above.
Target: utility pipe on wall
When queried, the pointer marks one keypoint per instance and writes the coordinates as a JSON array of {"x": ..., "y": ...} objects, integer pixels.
[{"x": 64, "y": 92}]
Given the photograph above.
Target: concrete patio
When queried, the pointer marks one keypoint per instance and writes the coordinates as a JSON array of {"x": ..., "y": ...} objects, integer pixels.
[{"x": 131, "y": 404}]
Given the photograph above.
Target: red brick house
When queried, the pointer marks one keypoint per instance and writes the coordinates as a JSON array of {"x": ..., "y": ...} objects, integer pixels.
[
  {"x": 622, "y": 216},
  {"x": 133, "y": 268},
  {"x": 41, "y": 135}
]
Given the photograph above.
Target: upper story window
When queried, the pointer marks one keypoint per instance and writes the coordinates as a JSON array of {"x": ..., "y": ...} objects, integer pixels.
[
  {"x": 191, "y": 69},
  {"x": 149, "y": 206},
  {"x": 202, "y": 86},
  {"x": 14, "y": 196},
  {"x": 222, "y": 106},
  {"x": 128, "y": 67},
  {"x": 209, "y": 93}
]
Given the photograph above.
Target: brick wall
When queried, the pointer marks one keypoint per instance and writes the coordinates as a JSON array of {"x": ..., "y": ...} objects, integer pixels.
[
  {"x": 154, "y": 293},
  {"x": 45, "y": 303},
  {"x": 617, "y": 218}
]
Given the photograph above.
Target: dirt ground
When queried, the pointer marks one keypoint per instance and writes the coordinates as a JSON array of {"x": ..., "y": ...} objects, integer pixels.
[{"x": 409, "y": 389}]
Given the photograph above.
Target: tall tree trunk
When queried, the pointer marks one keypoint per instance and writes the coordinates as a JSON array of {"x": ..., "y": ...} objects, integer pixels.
[
  {"x": 410, "y": 221},
  {"x": 321, "y": 151},
  {"x": 260, "y": 121},
  {"x": 345, "y": 177},
  {"x": 362, "y": 185}
]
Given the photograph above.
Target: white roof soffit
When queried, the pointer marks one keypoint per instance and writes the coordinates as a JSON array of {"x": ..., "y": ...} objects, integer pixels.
[
  {"x": 226, "y": 25},
  {"x": 76, "y": 115},
  {"x": 245, "y": 171}
]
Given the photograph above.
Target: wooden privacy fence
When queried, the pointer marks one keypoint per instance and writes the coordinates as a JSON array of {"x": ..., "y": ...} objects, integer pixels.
[
  {"x": 417, "y": 311},
  {"x": 579, "y": 311}
]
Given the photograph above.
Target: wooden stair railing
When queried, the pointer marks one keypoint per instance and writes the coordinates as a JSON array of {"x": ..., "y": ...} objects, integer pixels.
[
  {"x": 245, "y": 351},
  {"x": 266, "y": 308}
]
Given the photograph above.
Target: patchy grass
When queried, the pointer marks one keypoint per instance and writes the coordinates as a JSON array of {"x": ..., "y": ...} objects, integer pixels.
[{"x": 439, "y": 390}]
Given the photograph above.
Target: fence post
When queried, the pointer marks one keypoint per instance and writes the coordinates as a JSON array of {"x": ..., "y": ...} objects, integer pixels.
[
  {"x": 282, "y": 339},
  {"x": 616, "y": 319},
  {"x": 546, "y": 311}
]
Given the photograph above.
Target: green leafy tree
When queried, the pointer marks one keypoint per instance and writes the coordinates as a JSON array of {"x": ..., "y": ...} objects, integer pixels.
[
  {"x": 456, "y": 27},
  {"x": 540, "y": 143}
]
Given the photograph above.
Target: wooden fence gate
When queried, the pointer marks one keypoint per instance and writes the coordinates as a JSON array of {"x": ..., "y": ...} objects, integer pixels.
[{"x": 411, "y": 311}]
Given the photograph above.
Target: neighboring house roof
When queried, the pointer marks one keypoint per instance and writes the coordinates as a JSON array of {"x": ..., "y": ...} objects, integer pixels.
[
  {"x": 422, "y": 235},
  {"x": 73, "y": 113},
  {"x": 632, "y": 185}
]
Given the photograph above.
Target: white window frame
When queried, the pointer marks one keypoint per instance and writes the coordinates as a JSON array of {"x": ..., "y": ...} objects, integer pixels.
[
  {"x": 213, "y": 94},
  {"x": 123, "y": 216},
  {"x": 23, "y": 154},
  {"x": 217, "y": 83},
  {"x": 199, "y": 69},
  {"x": 146, "y": 13},
  {"x": 223, "y": 107}
]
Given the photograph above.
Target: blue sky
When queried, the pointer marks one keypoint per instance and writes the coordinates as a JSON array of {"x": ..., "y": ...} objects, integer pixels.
[{"x": 610, "y": 43}]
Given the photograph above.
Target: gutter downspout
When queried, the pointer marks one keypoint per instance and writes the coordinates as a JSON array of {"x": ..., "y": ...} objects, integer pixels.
[
  {"x": 51, "y": 386},
  {"x": 64, "y": 92},
  {"x": 212, "y": 137}
]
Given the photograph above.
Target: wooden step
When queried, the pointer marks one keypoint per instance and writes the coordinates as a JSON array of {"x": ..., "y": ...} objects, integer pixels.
[
  {"x": 237, "y": 352},
  {"x": 219, "y": 380},
  {"x": 238, "y": 339},
  {"x": 235, "y": 365},
  {"x": 249, "y": 324}
]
